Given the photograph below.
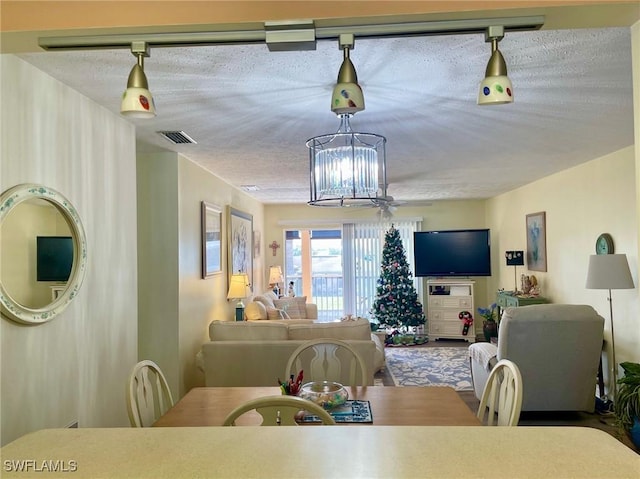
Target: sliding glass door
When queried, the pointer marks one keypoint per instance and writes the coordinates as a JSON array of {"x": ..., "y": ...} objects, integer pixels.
[{"x": 338, "y": 269}]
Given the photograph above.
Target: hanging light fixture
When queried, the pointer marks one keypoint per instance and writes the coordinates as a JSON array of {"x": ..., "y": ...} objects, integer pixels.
[
  {"x": 347, "y": 168},
  {"x": 496, "y": 87},
  {"x": 137, "y": 101}
]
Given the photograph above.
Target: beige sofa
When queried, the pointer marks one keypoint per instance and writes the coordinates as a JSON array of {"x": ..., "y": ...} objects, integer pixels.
[
  {"x": 267, "y": 306},
  {"x": 255, "y": 353}
]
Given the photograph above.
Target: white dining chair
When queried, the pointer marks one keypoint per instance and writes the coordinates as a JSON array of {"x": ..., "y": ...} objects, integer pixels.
[
  {"x": 148, "y": 394},
  {"x": 279, "y": 411},
  {"x": 326, "y": 359},
  {"x": 502, "y": 396}
]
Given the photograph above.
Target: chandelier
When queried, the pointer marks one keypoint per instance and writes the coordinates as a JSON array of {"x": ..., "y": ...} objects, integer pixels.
[{"x": 347, "y": 169}]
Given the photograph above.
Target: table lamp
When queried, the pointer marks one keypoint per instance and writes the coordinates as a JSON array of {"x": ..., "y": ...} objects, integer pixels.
[
  {"x": 515, "y": 259},
  {"x": 610, "y": 271},
  {"x": 275, "y": 278},
  {"x": 239, "y": 289}
]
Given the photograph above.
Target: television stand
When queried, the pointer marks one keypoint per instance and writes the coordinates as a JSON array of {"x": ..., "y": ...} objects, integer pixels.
[{"x": 447, "y": 299}]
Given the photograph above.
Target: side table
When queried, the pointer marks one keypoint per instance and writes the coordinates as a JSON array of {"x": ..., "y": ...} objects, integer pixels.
[{"x": 508, "y": 299}]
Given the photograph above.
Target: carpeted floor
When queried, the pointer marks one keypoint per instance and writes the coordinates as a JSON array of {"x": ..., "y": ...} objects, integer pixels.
[{"x": 560, "y": 418}]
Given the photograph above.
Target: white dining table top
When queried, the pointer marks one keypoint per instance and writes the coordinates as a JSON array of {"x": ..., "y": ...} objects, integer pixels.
[{"x": 323, "y": 452}]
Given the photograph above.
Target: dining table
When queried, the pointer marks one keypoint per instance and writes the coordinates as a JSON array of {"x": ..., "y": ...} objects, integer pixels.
[
  {"x": 390, "y": 406},
  {"x": 320, "y": 452}
]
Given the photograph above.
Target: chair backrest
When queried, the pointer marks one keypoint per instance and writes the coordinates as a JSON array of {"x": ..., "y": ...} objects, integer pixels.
[
  {"x": 326, "y": 359},
  {"x": 502, "y": 395},
  {"x": 550, "y": 343},
  {"x": 148, "y": 394},
  {"x": 279, "y": 411}
]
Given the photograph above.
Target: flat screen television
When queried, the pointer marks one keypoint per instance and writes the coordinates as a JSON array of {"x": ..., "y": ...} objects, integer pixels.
[
  {"x": 54, "y": 258},
  {"x": 452, "y": 253}
]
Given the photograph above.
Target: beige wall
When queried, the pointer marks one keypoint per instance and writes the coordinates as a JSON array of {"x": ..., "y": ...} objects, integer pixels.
[
  {"x": 176, "y": 304},
  {"x": 74, "y": 367},
  {"x": 580, "y": 203}
]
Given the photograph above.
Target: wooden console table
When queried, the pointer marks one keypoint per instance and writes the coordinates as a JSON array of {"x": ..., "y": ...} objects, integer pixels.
[{"x": 505, "y": 300}]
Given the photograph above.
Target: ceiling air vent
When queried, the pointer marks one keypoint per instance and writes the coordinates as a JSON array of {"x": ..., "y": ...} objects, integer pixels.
[{"x": 177, "y": 137}]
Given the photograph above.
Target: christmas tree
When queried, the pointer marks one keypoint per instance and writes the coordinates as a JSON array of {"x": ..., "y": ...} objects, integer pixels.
[{"x": 396, "y": 303}]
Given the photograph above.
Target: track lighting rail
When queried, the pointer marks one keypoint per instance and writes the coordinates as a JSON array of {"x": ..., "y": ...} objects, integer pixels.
[{"x": 446, "y": 27}]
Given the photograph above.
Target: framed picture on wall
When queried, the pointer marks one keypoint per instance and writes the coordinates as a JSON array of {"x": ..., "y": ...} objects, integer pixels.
[
  {"x": 240, "y": 243},
  {"x": 537, "y": 241},
  {"x": 211, "y": 220}
]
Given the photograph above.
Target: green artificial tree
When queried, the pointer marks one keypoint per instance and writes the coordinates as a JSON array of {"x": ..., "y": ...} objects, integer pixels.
[{"x": 396, "y": 303}]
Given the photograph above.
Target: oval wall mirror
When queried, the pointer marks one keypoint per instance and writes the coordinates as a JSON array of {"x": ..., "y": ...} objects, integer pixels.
[{"x": 43, "y": 253}]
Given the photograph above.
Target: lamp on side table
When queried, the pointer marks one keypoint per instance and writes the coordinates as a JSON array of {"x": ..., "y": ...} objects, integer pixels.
[
  {"x": 515, "y": 259},
  {"x": 239, "y": 289}
]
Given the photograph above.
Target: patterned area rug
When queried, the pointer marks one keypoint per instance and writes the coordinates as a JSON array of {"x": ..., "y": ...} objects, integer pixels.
[{"x": 435, "y": 366}]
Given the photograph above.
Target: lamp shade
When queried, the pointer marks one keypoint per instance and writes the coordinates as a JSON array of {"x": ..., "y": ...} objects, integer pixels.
[
  {"x": 609, "y": 271},
  {"x": 347, "y": 168},
  {"x": 275, "y": 275},
  {"x": 238, "y": 286},
  {"x": 137, "y": 101}
]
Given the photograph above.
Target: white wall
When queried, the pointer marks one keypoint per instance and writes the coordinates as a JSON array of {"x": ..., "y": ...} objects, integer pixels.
[{"x": 74, "y": 367}]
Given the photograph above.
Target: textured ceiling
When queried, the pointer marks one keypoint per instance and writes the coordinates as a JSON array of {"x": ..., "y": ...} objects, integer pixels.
[{"x": 251, "y": 111}]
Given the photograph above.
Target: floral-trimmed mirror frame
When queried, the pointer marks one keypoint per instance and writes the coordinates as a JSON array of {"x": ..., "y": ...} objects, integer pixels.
[{"x": 9, "y": 200}]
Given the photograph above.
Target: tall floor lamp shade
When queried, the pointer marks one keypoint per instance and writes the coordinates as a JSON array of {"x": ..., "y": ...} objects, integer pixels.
[{"x": 610, "y": 271}]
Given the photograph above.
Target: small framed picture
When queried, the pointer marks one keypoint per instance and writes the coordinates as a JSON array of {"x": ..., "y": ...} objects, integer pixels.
[
  {"x": 211, "y": 240},
  {"x": 537, "y": 242}
]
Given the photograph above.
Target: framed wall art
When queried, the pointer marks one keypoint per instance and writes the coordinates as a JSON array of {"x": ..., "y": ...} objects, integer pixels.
[
  {"x": 240, "y": 243},
  {"x": 537, "y": 241},
  {"x": 211, "y": 220}
]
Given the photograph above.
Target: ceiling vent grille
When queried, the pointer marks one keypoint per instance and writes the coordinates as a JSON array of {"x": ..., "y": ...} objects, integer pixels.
[{"x": 177, "y": 137}]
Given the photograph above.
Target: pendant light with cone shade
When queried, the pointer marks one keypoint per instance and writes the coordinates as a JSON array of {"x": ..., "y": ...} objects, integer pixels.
[
  {"x": 496, "y": 87},
  {"x": 347, "y": 168},
  {"x": 137, "y": 101}
]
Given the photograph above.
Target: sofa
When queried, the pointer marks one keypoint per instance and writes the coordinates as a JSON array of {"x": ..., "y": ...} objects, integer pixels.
[
  {"x": 267, "y": 306},
  {"x": 557, "y": 348},
  {"x": 255, "y": 353}
]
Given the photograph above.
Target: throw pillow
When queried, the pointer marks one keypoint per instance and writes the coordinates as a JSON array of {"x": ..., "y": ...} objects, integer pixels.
[
  {"x": 274, "y": 313},
  {"x": 267, "y": 301},
  {"x": 291, "y": 306},
  {"x": 255, "y": 310}
]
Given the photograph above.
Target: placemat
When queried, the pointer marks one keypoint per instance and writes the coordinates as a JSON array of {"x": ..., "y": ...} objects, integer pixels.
[{"x": 350, "y": 411}]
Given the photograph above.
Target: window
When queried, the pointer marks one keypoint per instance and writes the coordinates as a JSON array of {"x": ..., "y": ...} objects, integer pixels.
[{"x": 339, "y": 269}]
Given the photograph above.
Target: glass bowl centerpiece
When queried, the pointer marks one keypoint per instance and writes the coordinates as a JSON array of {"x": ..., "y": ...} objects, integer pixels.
[{"x": 327, "y": 394}]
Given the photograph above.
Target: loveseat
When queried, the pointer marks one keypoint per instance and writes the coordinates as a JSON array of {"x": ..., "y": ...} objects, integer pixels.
[
  {"x": 255, "y": 353},
  {"x": 267, "y": 306},
  {"x": 557, "y": 348}
]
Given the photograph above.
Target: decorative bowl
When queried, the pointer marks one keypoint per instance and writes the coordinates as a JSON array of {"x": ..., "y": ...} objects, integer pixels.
[{"x": 327, "y": 394}]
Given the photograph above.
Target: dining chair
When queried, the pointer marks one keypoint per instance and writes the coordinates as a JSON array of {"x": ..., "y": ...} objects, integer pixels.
[
  {"x": 502, "y": 395},
  {"x": 148, "y": 394},
  {"x": 279, "y": 411},
  {"x": 326, "y": 359}
]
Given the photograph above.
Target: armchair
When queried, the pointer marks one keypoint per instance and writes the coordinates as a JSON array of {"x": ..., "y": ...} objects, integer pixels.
[{"x": 557, "y": 348}]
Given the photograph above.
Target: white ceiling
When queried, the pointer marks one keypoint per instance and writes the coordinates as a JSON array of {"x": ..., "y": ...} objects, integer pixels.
[{"x": 251, "y": 110}]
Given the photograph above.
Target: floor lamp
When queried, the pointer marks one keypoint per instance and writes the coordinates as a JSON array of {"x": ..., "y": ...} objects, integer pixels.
[{"x": 610, "y": 271}]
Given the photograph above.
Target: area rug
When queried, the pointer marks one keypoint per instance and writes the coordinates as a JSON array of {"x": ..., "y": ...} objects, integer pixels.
[{"x": 434, "y": 366}]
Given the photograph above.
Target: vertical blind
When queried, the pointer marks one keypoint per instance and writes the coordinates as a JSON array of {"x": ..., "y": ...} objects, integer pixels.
[{"x": 362, "y": 257}]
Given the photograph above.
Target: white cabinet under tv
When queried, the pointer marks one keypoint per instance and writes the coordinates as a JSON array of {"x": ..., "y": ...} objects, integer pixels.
[{"x": 447, "y": 299}]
